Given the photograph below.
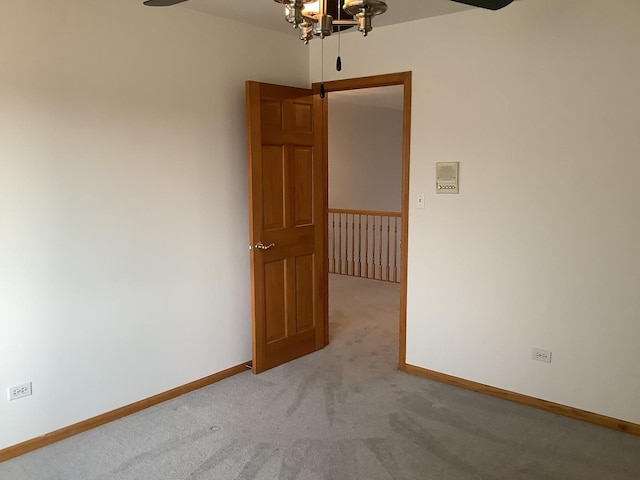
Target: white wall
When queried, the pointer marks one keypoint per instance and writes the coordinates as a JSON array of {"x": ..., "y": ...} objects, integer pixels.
[
  {"x": 123, "y": 202},
  {"x": 365, "y": 156},
  {"x": 540, "y": 104}
]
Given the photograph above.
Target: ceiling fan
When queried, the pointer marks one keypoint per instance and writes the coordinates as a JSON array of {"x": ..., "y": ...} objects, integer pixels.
[
  {"x": 322, "y": 18},
  {"x": 489, "y": 4}
]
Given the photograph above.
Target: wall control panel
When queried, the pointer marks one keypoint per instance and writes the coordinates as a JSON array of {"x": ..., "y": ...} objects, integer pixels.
[{"x": 447, "y": 177}]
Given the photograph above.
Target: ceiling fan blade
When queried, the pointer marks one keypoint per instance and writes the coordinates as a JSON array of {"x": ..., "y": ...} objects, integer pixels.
[
  {"x": 162, "y": 3},
  {"x": 489, "y": 4}
]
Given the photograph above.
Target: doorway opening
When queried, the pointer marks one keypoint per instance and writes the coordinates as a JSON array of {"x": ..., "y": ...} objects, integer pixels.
[
  {"x": 362, "y": 249},
  {"x": 287, "y": 146}
]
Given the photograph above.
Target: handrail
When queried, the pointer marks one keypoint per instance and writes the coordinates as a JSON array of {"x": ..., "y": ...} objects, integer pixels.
[{"x": 365, "y": 212}]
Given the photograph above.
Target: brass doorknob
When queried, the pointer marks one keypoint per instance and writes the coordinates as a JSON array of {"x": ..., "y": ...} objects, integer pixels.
[{"x": 261, "y": 246}]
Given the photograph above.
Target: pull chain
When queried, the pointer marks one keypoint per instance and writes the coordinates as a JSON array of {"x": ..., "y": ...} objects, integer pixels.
[
  {"x": 339, "y": 60},
  {"x": 322, "y": 92}
]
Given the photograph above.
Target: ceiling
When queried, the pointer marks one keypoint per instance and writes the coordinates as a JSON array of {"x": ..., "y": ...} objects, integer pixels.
[{"x": 270, "y": 15}]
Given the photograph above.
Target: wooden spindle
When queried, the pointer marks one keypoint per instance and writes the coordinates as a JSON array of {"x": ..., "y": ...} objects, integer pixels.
[
  {"x": 333, "y": 242},
  {"x": 380, "y": 250},
  {"x": 366, "y": 249},
  {"x": 395, "y": 249},
  {"x": 359, "y": 244},
  {"x": 373, "y": 248},
  {"x": 340, "y": 243},
  {"x": 388, "y": 247},
  {"x": 353, "y": 244}
]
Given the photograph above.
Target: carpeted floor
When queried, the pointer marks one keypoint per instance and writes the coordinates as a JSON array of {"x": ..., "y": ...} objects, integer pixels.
[{"x": 342, "y": 413}]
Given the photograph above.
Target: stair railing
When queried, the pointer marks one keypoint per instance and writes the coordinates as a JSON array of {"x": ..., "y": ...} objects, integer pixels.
[{"x": 365, "y": 243}]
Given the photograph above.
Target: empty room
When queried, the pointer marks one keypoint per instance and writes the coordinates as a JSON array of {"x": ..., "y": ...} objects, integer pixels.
[{"x": 162, "y": 233}]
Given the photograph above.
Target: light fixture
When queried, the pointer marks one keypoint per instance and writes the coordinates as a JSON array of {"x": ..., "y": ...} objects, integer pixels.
[
  {"x": 363, "y": 11},
  {"x": 314, "y": 18}
]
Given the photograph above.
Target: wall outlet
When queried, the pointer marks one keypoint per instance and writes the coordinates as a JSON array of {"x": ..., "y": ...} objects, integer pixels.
[
  {"x": 541, "y": 355},
  {"x": 20, "y": 391}
]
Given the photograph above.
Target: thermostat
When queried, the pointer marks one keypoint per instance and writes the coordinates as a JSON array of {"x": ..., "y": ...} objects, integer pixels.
[{"x": 447, "y": 177}]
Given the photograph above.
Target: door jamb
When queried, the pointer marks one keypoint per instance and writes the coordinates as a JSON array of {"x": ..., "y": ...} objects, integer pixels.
[{"x": 401, "y": 78}]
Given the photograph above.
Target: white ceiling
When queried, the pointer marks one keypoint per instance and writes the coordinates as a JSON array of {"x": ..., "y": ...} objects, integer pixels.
[{"x": 270, "y": 15}]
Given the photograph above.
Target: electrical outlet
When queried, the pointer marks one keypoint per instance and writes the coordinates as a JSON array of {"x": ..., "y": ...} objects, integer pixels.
[
  {"x": 541, "y": 355},
  {"x": 20, "y": 391}
]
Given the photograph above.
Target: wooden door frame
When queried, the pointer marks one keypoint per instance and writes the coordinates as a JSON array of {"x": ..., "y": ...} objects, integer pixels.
[{"x": 404, "y": 79}]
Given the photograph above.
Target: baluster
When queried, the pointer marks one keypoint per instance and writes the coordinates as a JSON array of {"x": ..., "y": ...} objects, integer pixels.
[
  {"x": 346, "y": 244},
  {"x": 340, "y": 243},
  {"x": 333, "y": 243},
  {"x": 388, "y": 279},
  {"x": 359, "y": 245},
  {"x": 344, "y": 253},
  {"x": 395, "y": 249},
  {"x": 353, "y": 223},
  {"x": 366, "y": 248},
  {"x": 380, "y": 250},
  {"x": 373, "y": 247}
]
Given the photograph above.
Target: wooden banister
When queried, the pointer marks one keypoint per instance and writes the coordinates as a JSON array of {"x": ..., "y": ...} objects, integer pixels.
[{"x": 370, "y": 250}]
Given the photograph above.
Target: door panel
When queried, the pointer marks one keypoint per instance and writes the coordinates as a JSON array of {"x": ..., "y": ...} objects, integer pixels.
[
  {"x": 274, "y": 281},
  {"x": 303, "y": 186},
  {"x": 287, "y": 199},
  {"x": 271, "y": 114},
  {"x": 303, "y": 117},
  {"x": 304, "y": 293},
  {"x": 273, "y": 180}
]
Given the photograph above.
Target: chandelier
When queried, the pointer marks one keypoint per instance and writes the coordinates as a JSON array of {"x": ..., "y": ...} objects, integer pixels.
[{"x": 321, "y": 18}]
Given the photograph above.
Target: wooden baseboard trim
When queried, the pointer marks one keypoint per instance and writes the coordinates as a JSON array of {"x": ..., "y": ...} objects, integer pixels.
[
  {"x": 66, "y": 432},
  {"x": 576, "y": 413}
]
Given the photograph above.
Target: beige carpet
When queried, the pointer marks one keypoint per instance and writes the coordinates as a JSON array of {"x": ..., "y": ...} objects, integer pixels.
[{"x": 342, "y": 413}]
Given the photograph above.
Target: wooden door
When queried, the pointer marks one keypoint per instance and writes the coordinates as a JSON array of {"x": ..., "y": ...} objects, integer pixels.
[{"x": 287, "y": 201}]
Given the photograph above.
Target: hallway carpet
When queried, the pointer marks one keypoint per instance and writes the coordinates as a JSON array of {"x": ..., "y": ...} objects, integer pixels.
[{"x": 342, "y": 413}]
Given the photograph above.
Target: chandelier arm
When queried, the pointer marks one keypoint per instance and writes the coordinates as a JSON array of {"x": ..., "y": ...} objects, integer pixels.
[{"x": 322, "y": 23}]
